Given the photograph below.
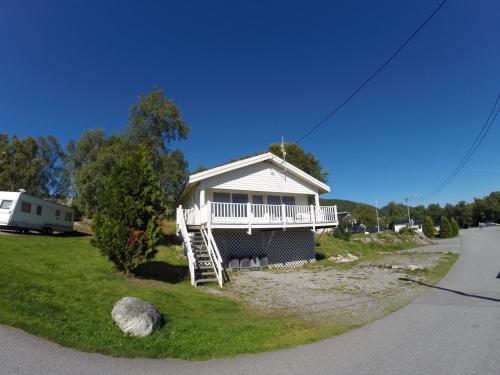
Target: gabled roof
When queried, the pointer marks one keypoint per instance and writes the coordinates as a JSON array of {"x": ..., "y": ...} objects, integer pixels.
[{"x": 269, "y": 157}]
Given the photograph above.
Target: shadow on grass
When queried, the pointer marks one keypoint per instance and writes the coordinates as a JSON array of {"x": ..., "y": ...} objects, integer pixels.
[
  {"x": 161, "y": 271},
  {"x": 320, "y": 256},
  {"x": 170, "y": 239},
  {"x": 451, "y": 290}
]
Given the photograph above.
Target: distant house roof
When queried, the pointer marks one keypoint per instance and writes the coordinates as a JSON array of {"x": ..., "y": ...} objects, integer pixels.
[
  {"x": 400, "y": 222},
  {"x": 405, "y": 221}
]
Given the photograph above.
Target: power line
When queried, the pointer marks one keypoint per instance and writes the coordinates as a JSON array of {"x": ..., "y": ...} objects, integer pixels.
[
  {"x": 379, "y": 69},
  {"x": 472, "y": 149}
]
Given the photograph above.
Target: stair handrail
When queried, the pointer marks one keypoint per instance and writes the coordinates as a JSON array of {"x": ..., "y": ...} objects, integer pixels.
[
  {"x": 181, "y": 226},
  {"x": 213, "y": 252}
]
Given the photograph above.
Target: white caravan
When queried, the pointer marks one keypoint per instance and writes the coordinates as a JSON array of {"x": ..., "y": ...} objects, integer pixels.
[{"x": 23, "y": 212}]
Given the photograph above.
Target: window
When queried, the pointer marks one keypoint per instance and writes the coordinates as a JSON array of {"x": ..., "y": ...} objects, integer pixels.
[
  {"x": 26, "y": 207},
  {"x": 58, "y": 214},
  {"x": 273, "y": 199},
  {"x": 6, "y": 205},
  {"x": 38, "y": 210},
  {"x": 240, "y": 198},
  {"x": 288, "y": 200},
  {"x": 240, "y": 210},
  {"x": 68, "y": 216},
  {"x": 258, "y": 199},
  {"x": 258, "y": 211},
  {"x": 222, "y": 197}
]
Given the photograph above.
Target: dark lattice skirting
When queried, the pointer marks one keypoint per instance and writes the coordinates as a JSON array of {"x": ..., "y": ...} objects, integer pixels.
[{"x": 288, "y": 248}]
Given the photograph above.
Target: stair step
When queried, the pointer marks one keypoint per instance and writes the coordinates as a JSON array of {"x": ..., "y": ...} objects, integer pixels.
[
  {"x": 206, "y": 280},
  {"x": 205, "y": 267}
]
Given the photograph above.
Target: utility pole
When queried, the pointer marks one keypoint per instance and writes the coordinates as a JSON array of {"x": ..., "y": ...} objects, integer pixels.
[
  {"x": 376, "y": 210},
  {"x": 408, "y": 207}
]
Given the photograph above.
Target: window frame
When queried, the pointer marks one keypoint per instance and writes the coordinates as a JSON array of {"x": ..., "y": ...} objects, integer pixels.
[
  {"x": 6, "y": 201},
  {"x": 39, "y": 210},
  {"x": 68, "y": 215},
  {"x": 26, "y": 207}
]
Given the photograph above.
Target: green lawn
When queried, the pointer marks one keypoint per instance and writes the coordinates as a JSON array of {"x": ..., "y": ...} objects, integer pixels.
[
  {"x": 329, "y": 246},
  {"x": 62, "y": 289}
]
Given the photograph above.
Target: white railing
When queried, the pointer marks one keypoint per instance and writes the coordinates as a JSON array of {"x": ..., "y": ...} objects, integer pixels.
[
  {"x": 182, "y": 228},
  {"x": 249, "y": 213},
  {"x": 213, "y": 252}
]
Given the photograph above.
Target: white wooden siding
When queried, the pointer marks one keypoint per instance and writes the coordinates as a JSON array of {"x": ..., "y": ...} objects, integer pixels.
[{"x": 261, "y": 177}]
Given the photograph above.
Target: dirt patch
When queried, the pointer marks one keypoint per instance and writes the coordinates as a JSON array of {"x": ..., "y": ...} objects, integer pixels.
[{"x": 347, "y": 295}]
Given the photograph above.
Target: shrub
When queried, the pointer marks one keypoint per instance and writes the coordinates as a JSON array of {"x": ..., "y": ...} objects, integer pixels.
[
  {"x": 455, "y": 228},
  {"x": 407, "y": 231},
  {"x": 445, "y": 229},
  {"x": 342, "y": 231},
  {"x": 428, "y": 227},
  {"x": 126, "y": 225}
]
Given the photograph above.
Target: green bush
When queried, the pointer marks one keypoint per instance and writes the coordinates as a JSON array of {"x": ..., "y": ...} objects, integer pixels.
[
  {"x": 445, "y": 229},
  {"x": 407, "y": 231},
  {"x": 455, "y": 228},
  {"x": 428, "y": 227},
  {"x": 342, "y": 231},
  {"x": 126, "y": 225}
]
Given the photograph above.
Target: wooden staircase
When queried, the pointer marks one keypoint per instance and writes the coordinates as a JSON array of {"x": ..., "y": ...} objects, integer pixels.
[
  {"x": 204, "y": 259},
  {"x": 204, "y": 268}
]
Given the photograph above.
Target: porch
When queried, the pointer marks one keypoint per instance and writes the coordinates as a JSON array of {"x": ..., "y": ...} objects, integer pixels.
[{"x": 250, "y": 215}]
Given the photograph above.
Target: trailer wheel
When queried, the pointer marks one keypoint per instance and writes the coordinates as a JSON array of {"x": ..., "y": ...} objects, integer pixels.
[{"x": 47, "y": 231}]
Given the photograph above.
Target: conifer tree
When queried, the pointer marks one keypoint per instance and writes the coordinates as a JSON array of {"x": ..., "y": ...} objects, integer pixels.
[
  {"x": 126, "y": 225},
  {"x": 445, "y": 229},
  {"x": 428, "y": 227},
  {"x": 455, "y": 228}
]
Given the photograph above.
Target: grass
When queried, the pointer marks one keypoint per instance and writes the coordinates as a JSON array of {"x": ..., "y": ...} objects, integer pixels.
[
  {"x": 62, "y": 289},
  {"x": 330, "y": 246}
]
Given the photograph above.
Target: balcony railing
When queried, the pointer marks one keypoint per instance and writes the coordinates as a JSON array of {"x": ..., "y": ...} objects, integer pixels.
[{"x": 260, "y": 214}]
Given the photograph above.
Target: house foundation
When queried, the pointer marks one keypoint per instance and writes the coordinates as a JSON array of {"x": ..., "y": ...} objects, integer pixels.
[{"x": 284, "y": 248}]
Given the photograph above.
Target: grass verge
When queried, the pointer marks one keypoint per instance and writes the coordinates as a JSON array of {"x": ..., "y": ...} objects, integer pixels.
[{"x": 62, "y": 289}]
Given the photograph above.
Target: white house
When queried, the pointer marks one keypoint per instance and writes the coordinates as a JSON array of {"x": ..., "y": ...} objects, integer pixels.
[
  {"x": 417, "y": 225},
  {"x": 257, "y": 211}
]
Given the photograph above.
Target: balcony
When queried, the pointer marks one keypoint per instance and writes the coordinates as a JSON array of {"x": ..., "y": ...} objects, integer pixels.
[{"x": 249, "y": 215}]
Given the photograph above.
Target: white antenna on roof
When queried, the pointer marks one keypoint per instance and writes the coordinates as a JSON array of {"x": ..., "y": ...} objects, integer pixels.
[{"x": 283, "y": 153}]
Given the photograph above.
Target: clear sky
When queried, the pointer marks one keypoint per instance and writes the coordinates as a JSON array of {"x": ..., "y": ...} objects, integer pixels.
[{"x": 246, "y": 73}]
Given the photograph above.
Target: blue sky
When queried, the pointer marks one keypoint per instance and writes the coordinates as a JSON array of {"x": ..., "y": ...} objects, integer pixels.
[{"x": 247, "y": 73}]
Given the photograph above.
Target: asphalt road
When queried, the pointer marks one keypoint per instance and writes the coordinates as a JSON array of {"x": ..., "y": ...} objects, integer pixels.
[{"x": 452, "y": 329}]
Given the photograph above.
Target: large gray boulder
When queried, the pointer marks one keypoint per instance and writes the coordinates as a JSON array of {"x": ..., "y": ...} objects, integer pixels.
[{"x": 136, "y": 317}]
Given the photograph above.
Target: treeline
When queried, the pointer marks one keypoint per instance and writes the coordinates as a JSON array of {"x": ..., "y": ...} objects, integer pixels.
[
  {"x": 76, "y": 173},
  {"x": 466, "y": 214}
]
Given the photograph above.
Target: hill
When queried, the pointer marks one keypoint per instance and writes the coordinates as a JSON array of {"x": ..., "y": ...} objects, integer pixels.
[{"x": 342, "y": 204}]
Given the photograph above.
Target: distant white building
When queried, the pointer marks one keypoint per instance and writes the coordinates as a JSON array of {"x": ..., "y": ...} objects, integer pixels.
[{"x": 413, "y": 224}]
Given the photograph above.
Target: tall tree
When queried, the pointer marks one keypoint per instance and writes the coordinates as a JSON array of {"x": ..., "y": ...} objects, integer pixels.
[
  {"x": 445, "y": 228},
  {"x": 126, "y": 225},
  {"x": 37, "y": 165},
  {"x": 155, "y": 122},
  {"x": 365, "y": 214},
  {"x": 428, "y": 227},
  {"x": 455, "y": 229},
  {"x": 91, "y": 176},
  {"x": 303, "y": 160}
]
